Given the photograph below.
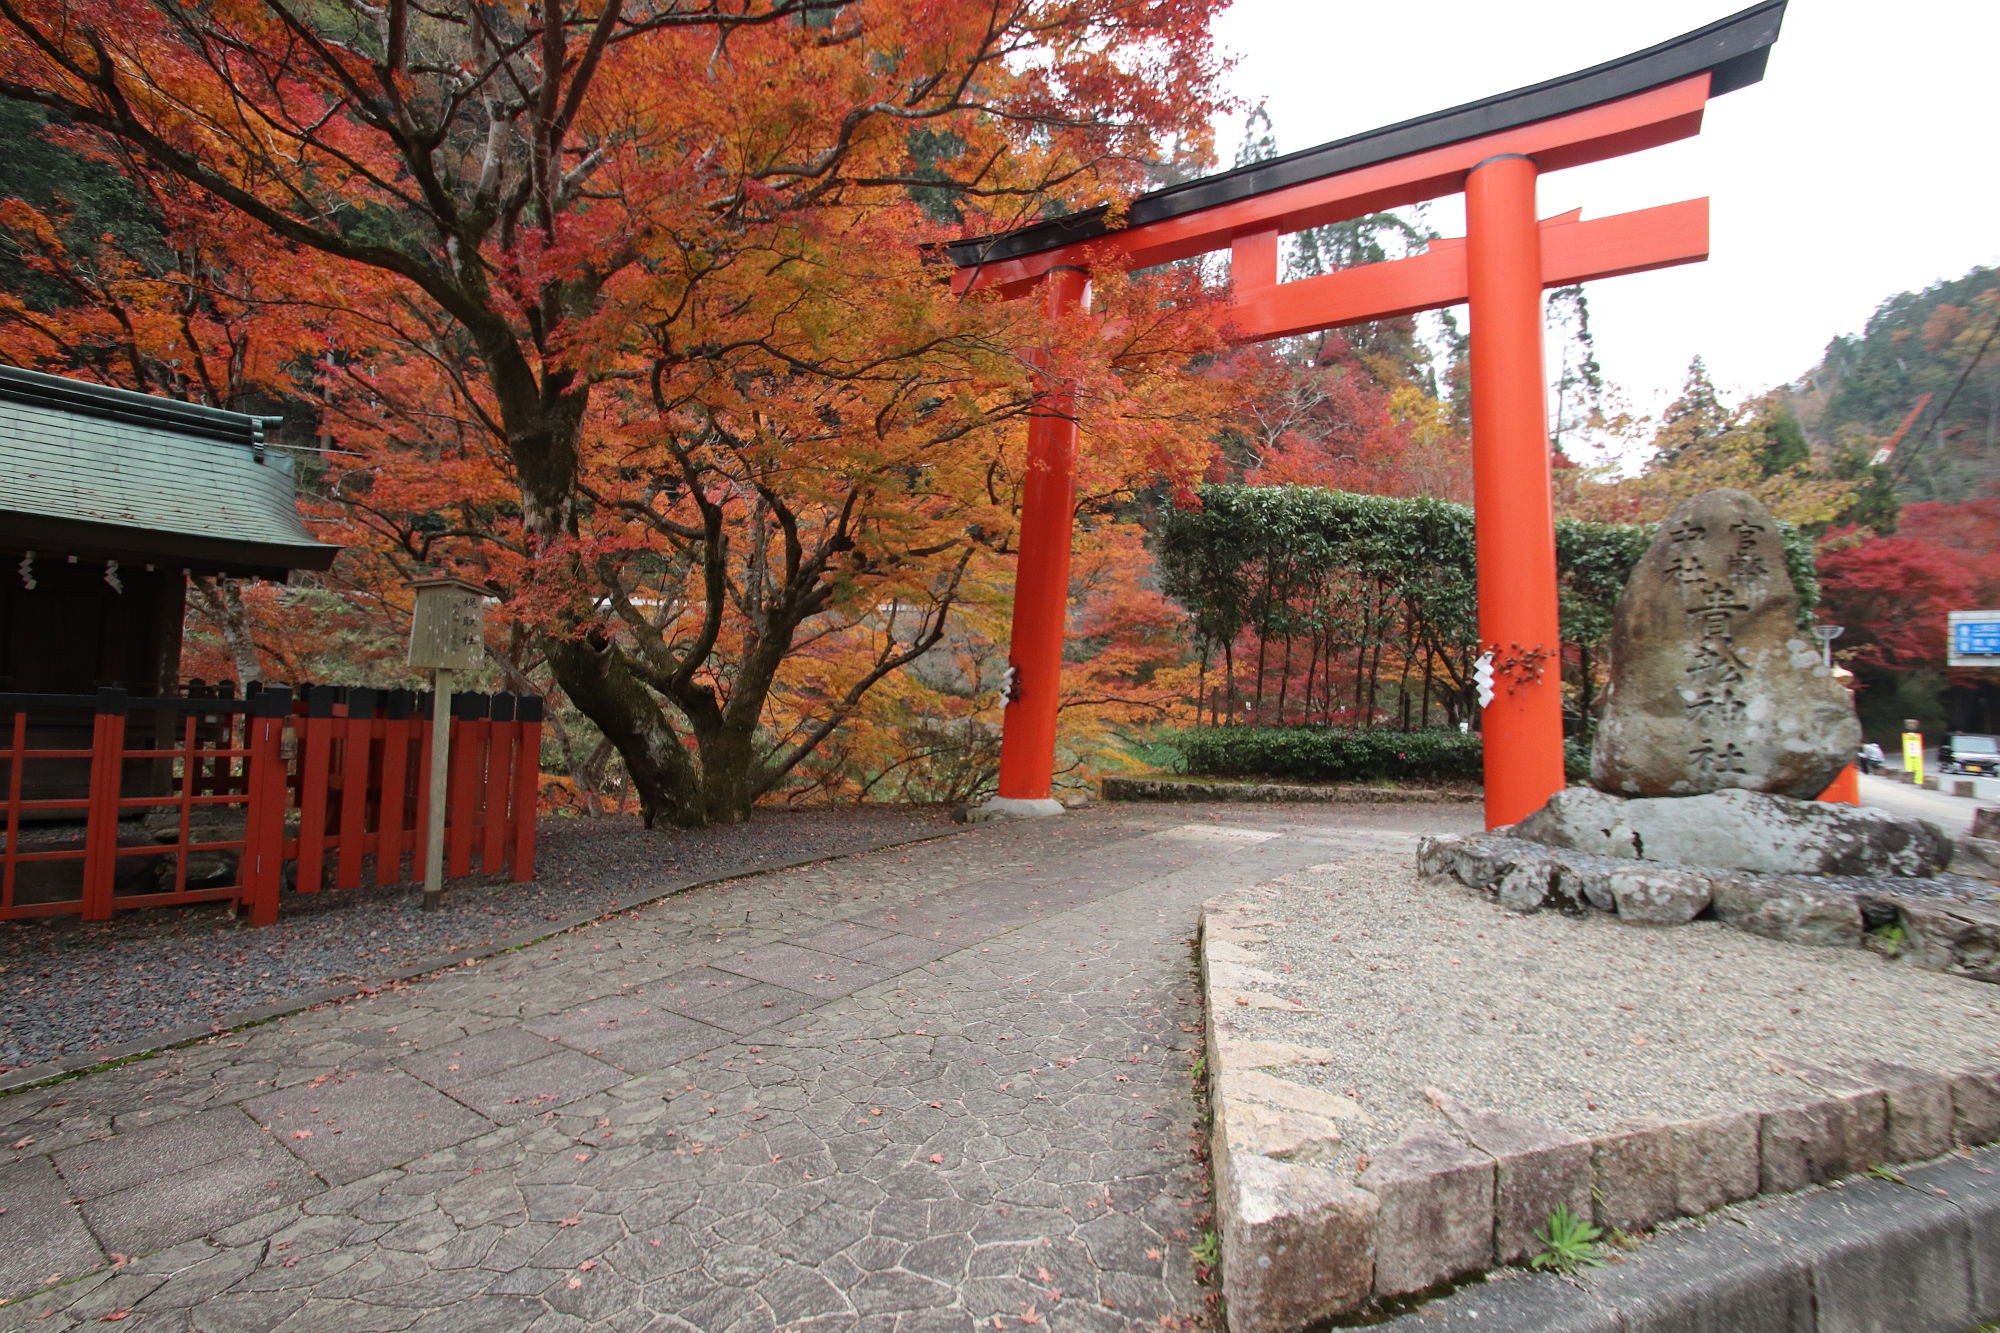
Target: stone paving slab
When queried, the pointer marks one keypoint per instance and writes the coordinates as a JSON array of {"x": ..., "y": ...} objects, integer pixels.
[
  {"x": 806, "y": 970},
  {"x": 588, "y": 868},
  {"x": 526, "y": 1090},
  {"x": 355, "y": 1124},
  {"x": 42, "y": 1237},
  {"x": 186, "y": 1204},
  {"x": 149, "y": 1153},
  {"x": 476, "y": 1057},
  {"x": 1001, "y": 1130},
  {"x": 728, "y": 1000}
]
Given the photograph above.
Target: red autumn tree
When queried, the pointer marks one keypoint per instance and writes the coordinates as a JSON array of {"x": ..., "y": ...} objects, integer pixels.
[
  {"x": 1970, "y": 532},
  {"x": 628, "y": 316},
  {"x": 1892, "y": 594}
]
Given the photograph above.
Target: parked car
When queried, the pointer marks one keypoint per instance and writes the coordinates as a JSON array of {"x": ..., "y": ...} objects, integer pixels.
[{"x": 1969, "y": 754}]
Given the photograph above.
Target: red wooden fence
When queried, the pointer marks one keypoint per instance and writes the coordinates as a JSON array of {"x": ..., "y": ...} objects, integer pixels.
[{"x": 112, "y": 802}]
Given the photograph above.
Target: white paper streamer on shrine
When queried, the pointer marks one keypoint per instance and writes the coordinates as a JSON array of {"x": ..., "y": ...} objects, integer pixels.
[{"x": 1482, "y": 676}]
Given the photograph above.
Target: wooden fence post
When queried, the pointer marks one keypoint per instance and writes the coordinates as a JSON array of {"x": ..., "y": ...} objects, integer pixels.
[
  {"x": 393, "y": 819},
  {"x": 262, "y": 871},
  {"x": 527, "y": 786},
  {"x": 355, "y": 765},
  {"x": 100, "y": 831},
  {"x": 499, "y": 785},
  {"x": 466, "y": 777},
  {"x": 315, "y": 755}
]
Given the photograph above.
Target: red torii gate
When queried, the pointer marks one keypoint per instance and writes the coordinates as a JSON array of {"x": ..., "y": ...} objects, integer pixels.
[{"x": 1491, "y": 150}]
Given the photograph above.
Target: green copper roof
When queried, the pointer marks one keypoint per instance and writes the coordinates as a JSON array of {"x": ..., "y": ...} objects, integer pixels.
[{"x": 104, "y": 473}]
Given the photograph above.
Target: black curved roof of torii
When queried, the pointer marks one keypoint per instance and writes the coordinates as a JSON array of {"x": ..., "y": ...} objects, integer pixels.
[{"x": 1731, "y": 51}]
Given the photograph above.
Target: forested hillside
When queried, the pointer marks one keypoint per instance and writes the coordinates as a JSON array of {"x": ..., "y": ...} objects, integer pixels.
[{"x": 1923, "y": 378}]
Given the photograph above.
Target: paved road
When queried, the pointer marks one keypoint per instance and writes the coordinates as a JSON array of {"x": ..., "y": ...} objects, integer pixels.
[
  {"x": 1951, "y": 813},
  {"x": 933, "y": 1088}
]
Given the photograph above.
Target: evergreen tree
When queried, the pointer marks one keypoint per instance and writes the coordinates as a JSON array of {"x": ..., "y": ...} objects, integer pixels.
[
  {"x": 1784, "y": 442},
  {"x": 1697, "y": 416},
  {"x": 1579, "y": 395},
  {"x": 1260, "y": 141}
]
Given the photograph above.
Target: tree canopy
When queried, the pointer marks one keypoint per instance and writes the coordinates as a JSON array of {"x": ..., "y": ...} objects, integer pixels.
[{"x": 621, "y": 308}]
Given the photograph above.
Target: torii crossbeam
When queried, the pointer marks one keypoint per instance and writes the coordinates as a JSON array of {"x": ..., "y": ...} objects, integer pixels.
[{"x": 1492, "y": 151}]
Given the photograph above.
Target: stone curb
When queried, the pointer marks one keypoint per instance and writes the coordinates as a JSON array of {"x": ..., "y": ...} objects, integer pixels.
[
  {"x": 49, "y": 1071},
  {"x": 1195, "y": 789},
  {"x": 1302, "y": 1244},
  {"x": 1919, "y": 1253}
]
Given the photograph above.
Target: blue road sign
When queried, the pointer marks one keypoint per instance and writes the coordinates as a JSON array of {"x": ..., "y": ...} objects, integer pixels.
[{"x": 1975, "y": 638}]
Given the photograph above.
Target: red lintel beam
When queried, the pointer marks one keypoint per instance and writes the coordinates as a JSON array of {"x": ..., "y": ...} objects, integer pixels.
[
  {"x": 1643, "y": 120},
  {"x": 1572, "y": 251}
]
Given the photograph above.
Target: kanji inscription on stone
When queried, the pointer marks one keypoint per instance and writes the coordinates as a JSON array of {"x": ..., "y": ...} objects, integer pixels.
[{"x": 1713, "y": 683}]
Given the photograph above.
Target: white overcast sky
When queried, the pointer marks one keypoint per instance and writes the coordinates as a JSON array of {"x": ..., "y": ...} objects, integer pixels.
[{"x": 1864, "y": 164}]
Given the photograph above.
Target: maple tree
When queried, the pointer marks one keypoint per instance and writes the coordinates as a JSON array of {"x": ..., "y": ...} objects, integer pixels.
[
  {"x": 1970, "y": 531},
  {"x": 1891, "y": 595},
  {"x": 621, "y": 307}
]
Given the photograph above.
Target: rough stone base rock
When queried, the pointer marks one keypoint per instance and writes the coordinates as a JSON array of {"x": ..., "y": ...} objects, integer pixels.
[
  {"x": 1947, "y": 923},
  {"x": 1962, "y": 938},
  {"x": 1012, "y": 807},
  {"x": 1658, "y": 897},
  {"x": 204, "y": 868},
  {"x": 1740, "y": 830},
  {"x": 1788, "y": 907},
  {"x": 1978, "y": 857}
]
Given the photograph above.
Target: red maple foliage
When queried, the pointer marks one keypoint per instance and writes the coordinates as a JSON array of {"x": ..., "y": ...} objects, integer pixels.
[
  {"x": 1892, "y": 594},
  {"x": 1970, "y": 532}
]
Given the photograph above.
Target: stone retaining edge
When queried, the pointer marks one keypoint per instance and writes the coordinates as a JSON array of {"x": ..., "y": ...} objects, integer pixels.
[
  {"x": 1127, "y": 788},
  {"x": 1459, "y": 1196},
  {"x": 1920, "y": 1252}
]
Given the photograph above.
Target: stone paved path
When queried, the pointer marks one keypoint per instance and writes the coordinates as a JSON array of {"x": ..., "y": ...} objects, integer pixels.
[{"x": 935, "y": 1088}]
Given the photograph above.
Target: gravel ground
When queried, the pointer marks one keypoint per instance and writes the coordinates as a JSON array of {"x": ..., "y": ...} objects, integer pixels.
[
  {"x": 1580, "y": 1023},
  {"x": 67, "y": 987}
]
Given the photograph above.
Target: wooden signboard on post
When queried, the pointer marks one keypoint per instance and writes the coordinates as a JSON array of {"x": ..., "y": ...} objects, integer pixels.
[{"x": 447, "y": 634}]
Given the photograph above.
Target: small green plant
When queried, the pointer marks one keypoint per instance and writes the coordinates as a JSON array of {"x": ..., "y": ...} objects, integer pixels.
[
  {"x": 1572, "y": 1243},
  {"x": 1880, "y": 1172},
  {"x": 1199, "y": 1069},
  {"x": 1208, "y": 1250},
  {"x": 1890, "y": 939}
]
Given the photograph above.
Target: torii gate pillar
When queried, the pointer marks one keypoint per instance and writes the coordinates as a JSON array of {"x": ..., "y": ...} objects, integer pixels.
[
  {"x": 1514, "y": 517},
  {"x": 1041, "y": 581}
]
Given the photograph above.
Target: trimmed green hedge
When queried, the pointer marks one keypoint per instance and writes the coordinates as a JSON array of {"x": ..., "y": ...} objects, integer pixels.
[{"x": 1339, "y": 754}]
